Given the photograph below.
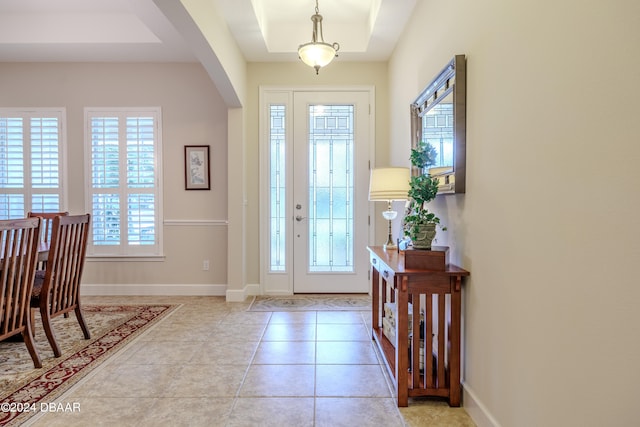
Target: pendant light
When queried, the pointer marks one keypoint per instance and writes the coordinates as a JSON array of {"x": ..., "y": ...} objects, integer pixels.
[{"x": 317, "y": 53}]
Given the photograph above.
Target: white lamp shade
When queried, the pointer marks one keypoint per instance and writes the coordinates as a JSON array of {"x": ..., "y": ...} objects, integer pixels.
[
  {"x": 316, "y": 54},
  {"x": 389, "y": 184}
]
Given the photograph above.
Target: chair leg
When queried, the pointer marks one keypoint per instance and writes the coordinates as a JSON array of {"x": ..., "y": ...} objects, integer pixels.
[
  {"x": 83, "y": 325},
  {"x": 48, "y": 330},
  {"x": 27, "y": 335},
  {"x": 32, "y": 316}
]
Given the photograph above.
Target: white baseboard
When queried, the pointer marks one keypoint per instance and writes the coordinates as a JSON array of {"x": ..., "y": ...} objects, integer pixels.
[
  {"x": 153, "y": 290},
  {"x": 240, "y": 295},
  {"x": 476, "y": 410}
]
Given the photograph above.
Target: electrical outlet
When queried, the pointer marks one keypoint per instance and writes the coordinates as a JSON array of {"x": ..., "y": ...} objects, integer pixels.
[{"x": 205, "y": 265}]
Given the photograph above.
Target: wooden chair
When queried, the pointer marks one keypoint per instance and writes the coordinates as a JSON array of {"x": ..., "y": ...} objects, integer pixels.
[
  {"x": 57, "y": 290},
  {"x": 45, "y": 227},
  {"x": 18, "y": 257}
]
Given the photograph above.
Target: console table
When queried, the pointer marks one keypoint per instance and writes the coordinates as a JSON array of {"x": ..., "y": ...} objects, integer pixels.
[{"x": 434, "y": 296}]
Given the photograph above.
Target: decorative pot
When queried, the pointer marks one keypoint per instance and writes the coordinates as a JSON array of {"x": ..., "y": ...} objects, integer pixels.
[{"x": 425, "y": 235}]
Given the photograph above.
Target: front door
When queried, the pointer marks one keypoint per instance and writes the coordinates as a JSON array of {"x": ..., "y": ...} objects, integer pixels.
[{"x": 323, "y": 206}]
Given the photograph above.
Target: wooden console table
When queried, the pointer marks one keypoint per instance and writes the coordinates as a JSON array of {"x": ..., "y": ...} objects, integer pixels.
[{"x": 436, "y": 296}]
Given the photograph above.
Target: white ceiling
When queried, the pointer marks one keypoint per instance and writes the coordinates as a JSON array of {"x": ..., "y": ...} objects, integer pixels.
[{"x": 136, "y": 30}]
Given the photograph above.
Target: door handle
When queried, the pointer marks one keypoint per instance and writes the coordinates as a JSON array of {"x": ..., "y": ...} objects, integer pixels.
[{"x": 300, "y": 218}]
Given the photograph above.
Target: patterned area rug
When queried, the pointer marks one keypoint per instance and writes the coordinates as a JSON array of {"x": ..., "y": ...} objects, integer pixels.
[
  {"x": 24, "y": 389},
  {"x": 325, "y": 302}
]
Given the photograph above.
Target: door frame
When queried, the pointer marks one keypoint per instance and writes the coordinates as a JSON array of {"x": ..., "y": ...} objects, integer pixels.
[{"x": 281, "y": 283}]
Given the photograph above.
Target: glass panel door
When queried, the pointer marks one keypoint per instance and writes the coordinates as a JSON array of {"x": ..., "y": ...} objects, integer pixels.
[
  {"x": 330, "y": 187},
  {"x": 330, "y": 170}
]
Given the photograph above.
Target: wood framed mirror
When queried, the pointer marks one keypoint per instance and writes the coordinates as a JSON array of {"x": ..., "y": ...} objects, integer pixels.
[{"x": 438, "y": 116}]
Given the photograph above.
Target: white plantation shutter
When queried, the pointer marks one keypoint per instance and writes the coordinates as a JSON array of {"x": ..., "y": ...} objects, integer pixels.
[
  {"x": 12, "y": 154},
  {"x": 45, "y": 165},
  {"x": 44, "y": 153},
  {"x": 124, "y": 195},
  {"x": 141, "y": 176},
  {"x": 104, "y": 148},
  {"x": 31, "y": 146}
]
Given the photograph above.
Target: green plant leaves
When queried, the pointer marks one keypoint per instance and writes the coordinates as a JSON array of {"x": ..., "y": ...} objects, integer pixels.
[{"x": 423, "y": 188}]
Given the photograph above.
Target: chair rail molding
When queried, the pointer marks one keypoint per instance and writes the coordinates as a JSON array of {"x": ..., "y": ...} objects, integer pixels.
[{"x": 196, "y": 222}]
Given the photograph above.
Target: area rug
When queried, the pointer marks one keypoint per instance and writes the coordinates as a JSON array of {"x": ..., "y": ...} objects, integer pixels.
[
  {"x": 24, "y": 389},
  {"x": 324, "y": 302}
]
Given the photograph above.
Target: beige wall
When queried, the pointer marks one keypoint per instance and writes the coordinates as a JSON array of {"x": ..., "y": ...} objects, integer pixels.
[
  {"x": 208, "y": 35},
  {"x": 549, "y": 226},
  {"x": 193, "y": 114},
  {"x": 296, "y": 74}
]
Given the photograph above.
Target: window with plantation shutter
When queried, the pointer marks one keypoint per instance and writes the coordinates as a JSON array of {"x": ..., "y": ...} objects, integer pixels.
[
  {"x": 31, "y": 168},
  {"x": 123, "y": 166}
]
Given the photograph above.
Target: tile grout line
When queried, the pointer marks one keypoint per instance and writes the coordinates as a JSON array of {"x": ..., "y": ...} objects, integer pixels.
[
  {"x": 237, "y": 397},
  {"x": 315, "y": 370}
]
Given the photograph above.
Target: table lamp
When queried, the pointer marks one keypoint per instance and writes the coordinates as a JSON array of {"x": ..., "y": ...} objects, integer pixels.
[{"x": 388, "y": 184}]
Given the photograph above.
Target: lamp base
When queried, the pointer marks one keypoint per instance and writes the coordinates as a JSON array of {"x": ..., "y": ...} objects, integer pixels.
[
  {"x": 390, "y": 244},
  {"x": 389, "y": 215}
]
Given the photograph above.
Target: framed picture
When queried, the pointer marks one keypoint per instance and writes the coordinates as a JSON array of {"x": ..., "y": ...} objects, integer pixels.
[{"x": 196, "y": 167}]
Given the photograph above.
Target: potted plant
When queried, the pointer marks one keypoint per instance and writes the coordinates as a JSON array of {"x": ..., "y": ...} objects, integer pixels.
[{"x": 419, "y": 223}]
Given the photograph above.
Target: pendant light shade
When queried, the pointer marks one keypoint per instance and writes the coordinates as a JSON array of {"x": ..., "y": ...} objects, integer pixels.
[{"x": 317, "y": 53}]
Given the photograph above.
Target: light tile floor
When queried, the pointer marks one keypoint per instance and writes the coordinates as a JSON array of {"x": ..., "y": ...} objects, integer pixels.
[{"x": 212, "y": 363}]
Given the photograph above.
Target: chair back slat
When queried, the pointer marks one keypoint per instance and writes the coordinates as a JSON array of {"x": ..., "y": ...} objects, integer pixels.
[
  {"x": 47, "y": 222},
  {"x": 65, "y": 263},
  {"x": 18, "y": 257}
]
